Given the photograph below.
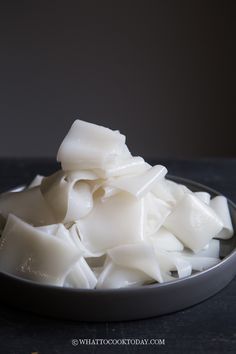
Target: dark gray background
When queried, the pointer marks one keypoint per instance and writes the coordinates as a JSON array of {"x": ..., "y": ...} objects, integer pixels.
[{"x": 163, "y": 72}]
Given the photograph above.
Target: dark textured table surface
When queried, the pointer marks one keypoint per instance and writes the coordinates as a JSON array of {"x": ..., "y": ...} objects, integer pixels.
[{"x": 209, "y": 327}]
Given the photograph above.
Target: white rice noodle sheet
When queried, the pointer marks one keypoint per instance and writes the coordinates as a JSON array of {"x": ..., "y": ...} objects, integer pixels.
[
  {"x": 205, "y": 258},
  {"x": 108, "y": 191},
  {"x": 69, "y": 200},
  {"x": 170, "y": 261},
  {"x": 36, "y": 181},
  {"x": 193, "y": 222},
  {"x": 211, "y": 250},
  {"x": 139, "y": 185},
  {"x": 200, "y": 263},
  {"x": 204, "y": 197},
  {"x": 220, "y": 205},
  {"x": 89, "y": 146},
  {"x": 28, "y": 205},
  {"x": 112, "y": 222},
  {"x": 123, "y": 166},
  {"x": 59, "y": 231},
  {"x": 82, "y": 175},
  {"x": 139, "y": 256},
  {"x": 75, "y": 238},
  {"x": 156, "y": 211},
  {"x": 165, "y": 240},
  {"x": 80, "y": 275},
  {"x": 169, "y": 191},
  {"x": 30, "y": 253},
  {"x": 114, "y": 276}
]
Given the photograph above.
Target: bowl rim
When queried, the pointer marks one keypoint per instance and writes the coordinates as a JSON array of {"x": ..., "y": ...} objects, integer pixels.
[{"x": 138, "y": 288}]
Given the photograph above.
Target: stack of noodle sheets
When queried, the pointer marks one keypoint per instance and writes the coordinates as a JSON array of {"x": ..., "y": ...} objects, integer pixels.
[{"x": 108, "y": 219}]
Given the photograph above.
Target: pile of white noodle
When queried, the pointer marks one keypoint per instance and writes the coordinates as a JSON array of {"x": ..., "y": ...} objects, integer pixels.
[{"x": 108, "y": 219}]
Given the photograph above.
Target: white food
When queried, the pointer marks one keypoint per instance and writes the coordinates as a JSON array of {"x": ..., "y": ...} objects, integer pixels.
[
  {"x": 69, "y": 200},
  {"x": 204, "y": 197},
  {"x": 121, "y": 167},
  {"x": 36, "y": 181},
  {"x": 156, "y": 212},
  {"x": 170, "y": 262},
  {"x": 140, "y": 256},
  {"x": 30, "y": 253},
  {"x": 108, "y": 219},
  {"x": 28, "y": 205},
  {"x": 112, "y": 222},
  {"x": 220, "y": 206},
  {"x": 170, "y": 191},
  {"x": 115, "y": 276},
  {"x": 89, "y": 146},
  {"x": 193, "y": 222},
  {"x": 165, "y": 240},
  {"x": 139, "y": 185}
]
